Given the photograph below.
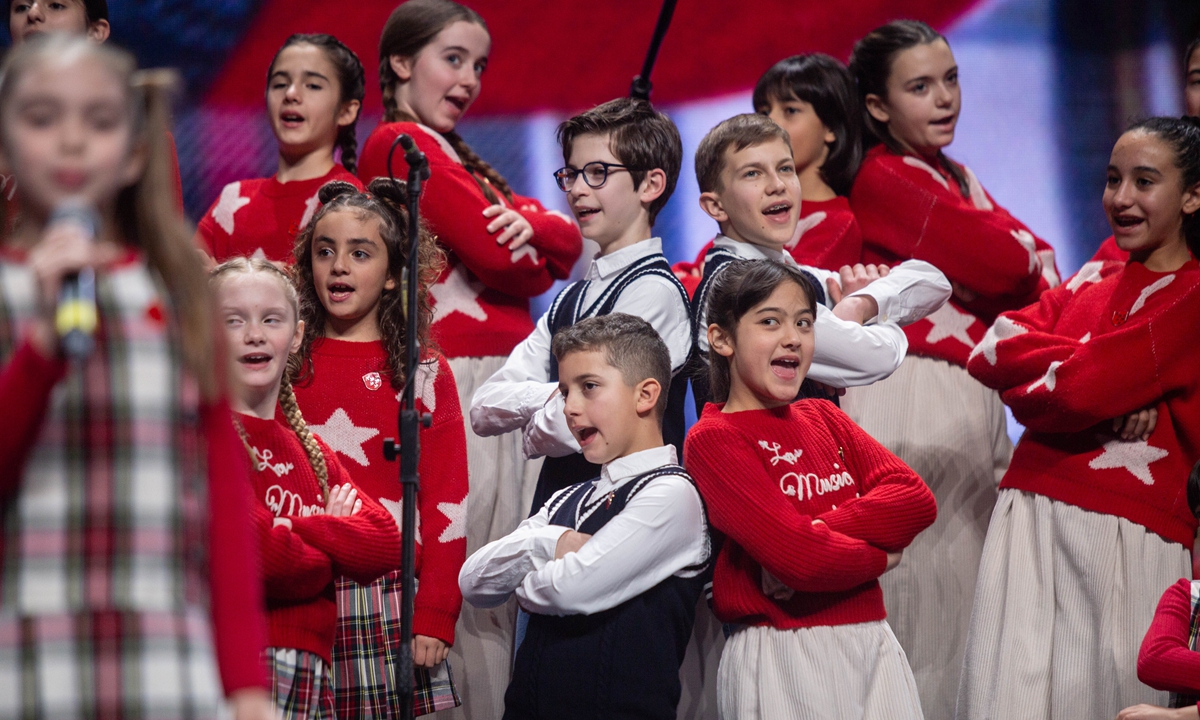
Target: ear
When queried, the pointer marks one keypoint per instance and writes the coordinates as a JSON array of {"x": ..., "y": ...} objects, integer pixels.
[
  {"x": 877, "y": 108},
  {"x": 648, "y": 392},
  {"x": 720, "y": 341},
  {"x": 348, "y": 113},
  {"x": 98, "y": 31},
  {"x": 653, "y": 186},
  {"x": 830, "y": 137},
  {"x": 710, "y": 203},
  {"x": 1191, "y": 200},
  {"x": 390, "y": 283},
  {"x": 402, "y": 65},
  {"x": 297, "y": 338}
]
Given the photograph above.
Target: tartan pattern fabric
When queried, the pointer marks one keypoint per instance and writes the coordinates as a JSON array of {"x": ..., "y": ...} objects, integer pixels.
[
  {"x": 301, "y": 684},
  {"x": 366, "y": 650}
]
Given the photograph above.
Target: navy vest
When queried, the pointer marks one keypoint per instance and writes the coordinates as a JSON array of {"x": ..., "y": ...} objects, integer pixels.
[
  {"x": 567, "y": 309},
  {"x": 619, "y": 664}
]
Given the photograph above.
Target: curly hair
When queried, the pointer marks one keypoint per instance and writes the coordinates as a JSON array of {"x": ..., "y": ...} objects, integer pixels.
[{"x": 384, "y": 199}]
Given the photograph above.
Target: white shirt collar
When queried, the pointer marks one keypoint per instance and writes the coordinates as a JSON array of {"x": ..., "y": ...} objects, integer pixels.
[
  {"x": 604, "y": 267},
  {"x": 750, "y": 251},
  {"x": 616, "y": 473}
]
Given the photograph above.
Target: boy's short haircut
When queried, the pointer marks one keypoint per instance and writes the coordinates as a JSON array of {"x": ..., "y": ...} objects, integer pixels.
[
  {"x": 95, "y": 9},
  {"x": 738, "y": 132},
  {"x": 639, "y": 136},
  {"x": 630, "y": 344}
]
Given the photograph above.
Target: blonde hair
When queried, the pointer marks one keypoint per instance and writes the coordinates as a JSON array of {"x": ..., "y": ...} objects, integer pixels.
[{"x": 287, "y": 396}]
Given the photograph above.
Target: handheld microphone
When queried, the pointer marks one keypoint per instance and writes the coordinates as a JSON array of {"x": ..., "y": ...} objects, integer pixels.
[{"x": 76, "y": 316}]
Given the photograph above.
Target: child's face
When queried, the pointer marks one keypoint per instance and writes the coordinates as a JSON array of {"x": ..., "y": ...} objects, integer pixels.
[
  {"x": 350, "y": 269},
  {"x": 1191, "y": 93},
  {"x": 923, "y": 98},
  {"x": 759, "y": 196},
  {"x": 1144, "y": 196},
  {"x": 441, "y": 81},
  {"x": 261, "y": 330},
  {"x": 30, "y": 17},
  {"x": 607, "y": 213},
  {"x": 303, "y": 100},
  {"x": 770, "y": 352},
  {"x": 68, "y": 135},
  {"x": 810, "y": 138},
  {"x": 602, "y": 410}
]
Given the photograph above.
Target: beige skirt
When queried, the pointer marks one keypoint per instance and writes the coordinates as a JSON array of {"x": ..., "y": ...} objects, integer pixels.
[
  {"x": 951, "y": 430},
  {"x": 1064, "y": 598},
  {"x": 502, "y": 485},
  {"x": 845, "y": 672}
]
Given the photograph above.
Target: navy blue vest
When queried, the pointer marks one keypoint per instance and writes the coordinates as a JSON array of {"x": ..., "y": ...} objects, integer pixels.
[{"x": 619, "y": 664}]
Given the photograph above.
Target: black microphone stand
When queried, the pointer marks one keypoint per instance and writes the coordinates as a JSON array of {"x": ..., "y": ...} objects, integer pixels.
[
  {"x": 410, "y": 422},
  {"x": 641, "y": 86}
]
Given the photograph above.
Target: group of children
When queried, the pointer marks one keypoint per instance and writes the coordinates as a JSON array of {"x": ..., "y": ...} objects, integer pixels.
[{"x": 221, "y": 448}]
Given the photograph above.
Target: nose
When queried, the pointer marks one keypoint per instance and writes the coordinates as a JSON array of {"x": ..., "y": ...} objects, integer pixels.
[
  {"x": 942, "y": 95},
  {"x": 572, "y": 405},
  {"x": 340, "y": 264},
  {"x": 1121, "y": 197},
  {"x": 791, "y": 336},
  {"x": 254, "y": 334},
  {"x": 34, "y": 13},
  {"x": 468, "y": 78},
  {"x": 578, "y": 187},
  {"x": 71, "y": 137},
  {"x": 775, "y": 183},
  {"x": 292, "y": 92}
]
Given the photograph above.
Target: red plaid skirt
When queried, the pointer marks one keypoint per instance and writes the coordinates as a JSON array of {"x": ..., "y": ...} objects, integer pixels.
[{"x": 301, "y": 684}]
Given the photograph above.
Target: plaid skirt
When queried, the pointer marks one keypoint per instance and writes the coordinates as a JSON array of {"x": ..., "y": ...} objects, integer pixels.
[
  {"x": 301, "y": 685},
  {"x": 366, "y": 650}
]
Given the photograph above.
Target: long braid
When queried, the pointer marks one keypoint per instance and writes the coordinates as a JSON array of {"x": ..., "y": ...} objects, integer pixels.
[
  {"x": 480, "y": 168},
  {"x": 291, "y": 410},
  {"x": 241, "y": 431},
  {"x": 347, "y": 142}
]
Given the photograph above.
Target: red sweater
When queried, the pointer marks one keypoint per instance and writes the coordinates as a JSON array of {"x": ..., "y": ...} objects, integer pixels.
[
  {"x": 299, "y": 564},
  {"x": 1108, "y": 251},
  {"x": 350, "y": 402},
  {"x": 481, "y": 300},
  {"x": 1166, "y": 662},
  {"x": 263, "y": 215},
  {"x": 1114, "y": 339},
  {"x": 830, "y": 237},
  {"x": 910, "y": 209},
  {"x": 765, "y": 475}
]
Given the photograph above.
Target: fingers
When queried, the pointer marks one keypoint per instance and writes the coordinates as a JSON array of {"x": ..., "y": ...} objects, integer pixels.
[
  {"x": 428, "y": 652},
  {"x": 493, "y": 210},
  {"x": 522, "y": 237},
  {"x": 884, "y": 270},
  {"x": 833, "y": 290},
  {"x": 1137, "y": 425},
  {"x": 343, "y": 501}
]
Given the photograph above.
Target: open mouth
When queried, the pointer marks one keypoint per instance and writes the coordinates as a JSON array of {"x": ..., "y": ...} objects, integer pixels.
[
  {"x": 586, "y": 435},
  {"x": 291, "y": 119},
  {"x": 945, "y": 122},
  {"x": 582, "y": 212},
  {"x": 459, "y": 103},
  {"x": 778, "y": 210},
  {"x": 786, "y": 368},
  {"x": 255, "y": 361},
  {"x": 1127, "y": 221},
  {"x": 339, "y": 292}
]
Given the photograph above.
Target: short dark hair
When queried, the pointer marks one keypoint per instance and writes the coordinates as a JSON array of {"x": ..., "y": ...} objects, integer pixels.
[
  {"x": 95, "y": 9},
  {"x": 1187, "y": 54},
  {"x": 828, "y": 86},
  {"x": 738, "y": 132},
  {"x": 630, "y": 344},
  {"x": 639, "y": 136}
]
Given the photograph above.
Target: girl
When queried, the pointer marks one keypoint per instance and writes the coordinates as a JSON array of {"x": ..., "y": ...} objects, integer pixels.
[
  {"x": 911, "y": 201},
  {"x": 112, "y": 462},
  {"x": 1092, "y": 519},
  {"x": 503, "y": 250},
  {"x": 313, "y": 524},
  {"x": 813, "y": 511},
  {"x": 314, "y": 92},
  {"x": 350, "y": 262}
]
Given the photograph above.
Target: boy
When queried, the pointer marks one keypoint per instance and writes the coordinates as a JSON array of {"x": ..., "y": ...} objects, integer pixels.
[
  {"x": 622, "y": 162},
  {"x": 748, "y": 184},
  {"x": 610, "y": 569},
  {"x": 77, "y": 17}
]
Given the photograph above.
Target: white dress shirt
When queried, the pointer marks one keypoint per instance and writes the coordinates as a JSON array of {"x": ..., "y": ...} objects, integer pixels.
[
  {"x": 520, "y": 395},
  {"x": 661, "y": 532},
  {"x": 845, "y": 353}
]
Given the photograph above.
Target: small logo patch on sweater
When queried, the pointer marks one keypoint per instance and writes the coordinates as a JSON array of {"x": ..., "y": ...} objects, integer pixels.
[{"x": 372, "y": 380}]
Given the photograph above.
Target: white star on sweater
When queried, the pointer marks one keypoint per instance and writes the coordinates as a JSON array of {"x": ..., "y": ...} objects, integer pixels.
[
  {"x": 1089, "y": 273},
  {"x": 230, "y": 202},
  {"x": 340, "y": 434},
  {"x": 1002, "y": 329},
  {"x": 1048, "y": 379},
  {"x": 258, "y": 254},
  {"x": 1135, "y": 457},
  {"x": 979, "y": 198},
  {"x": 457, "y": 293},
  {"x": 922, "y": 165},
  {"x": 457, "y": 513},
  {"x": 310, "y": 209},
  {"x": 950, "y": 322},
  {"x": 1048, "y": 271},
  {"x": 805, "y": 224},
  {"x": 395, "y": 508},
  {"x": 525, "y": 250},
  {"x": 1026, "y": 239},
  {"x": 1149, "y": 290},
  {"x": 426, "y": 375}
]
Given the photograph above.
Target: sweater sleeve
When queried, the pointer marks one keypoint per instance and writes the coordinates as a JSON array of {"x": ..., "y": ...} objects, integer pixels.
[
  {"x": 893, "y": 505},
  {"x": 210, "y": 237},
  {"x": 745, "y": 504},
  {"x": 25, "y": 385},
  {"x": 1165, "y": 661},
  {"x": 239, "y": 624},
  {"x": 292, "y": 569}
]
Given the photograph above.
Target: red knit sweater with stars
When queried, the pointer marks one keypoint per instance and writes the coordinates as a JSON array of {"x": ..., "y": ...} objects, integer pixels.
[
  {"x": 908, "y": 208},
  {"x": 1112, "y": 340},
  {"x": 350, "y": 403},
  {"x": 830, "y": 236},
  {"x": 481, "y": 300},
  {"x": 299, "y": 564},
  {"x": 263, "y": 214},
  {"x": 765, "y": 476}
]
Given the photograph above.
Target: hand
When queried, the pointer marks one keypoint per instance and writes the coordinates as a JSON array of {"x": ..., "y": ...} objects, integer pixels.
[
  {"x": 517, "y": 228},
  {"x": 570, "y": 542},
  {"x": 963, "y": 293},
  {"x": 1136, "y": 425},
  {"x": 829, "y": 390},
  {"x": 1153, "y": 712},
  {"x": 282, "y": 522},
  {"x": 858, "y": 309},
  {"x": 63, "y": 250},
  {"x": 343, "y": 501},
  {"x": 252, "y": 704},
  {"x": 428, "y": 651},
  {"x": 893, "y": 559},
  {"x": 858, "y": 277}
]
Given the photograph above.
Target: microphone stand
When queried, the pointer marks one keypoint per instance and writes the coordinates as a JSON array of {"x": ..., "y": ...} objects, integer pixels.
[
  {"x": 409, "y": 447},
  {"x": 641, "y": 86}
]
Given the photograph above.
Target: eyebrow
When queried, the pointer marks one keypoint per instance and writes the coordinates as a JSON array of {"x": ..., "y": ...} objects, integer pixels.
[
  {"x": 353, "y": 241},
  {"x": 928, "y": 78},
  {"x": 1147, "y": 169},
  {"x": 306, "y": 74}
]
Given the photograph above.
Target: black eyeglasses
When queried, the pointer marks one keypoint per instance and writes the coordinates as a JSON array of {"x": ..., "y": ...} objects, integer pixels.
[{"x": 595, "y": 174}]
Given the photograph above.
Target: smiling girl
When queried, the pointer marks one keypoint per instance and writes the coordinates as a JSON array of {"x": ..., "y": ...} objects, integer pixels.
[
  {"x": 314, "y": 92},
  {"x": 813, "y": 511}
]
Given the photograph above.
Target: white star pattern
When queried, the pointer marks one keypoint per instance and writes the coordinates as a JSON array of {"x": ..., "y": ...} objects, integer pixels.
[
  {"x": 524, "y": 251},
  {"x": 1048, "y": 379},
  {"x": 442, "y": 142},
  {"x": 922, "y": 165},
  {"x": 310, "y": 209},
  {"x": 395, "y": 508},
  {"x": 340, "y": 434},
  {"x": 1136, "y": 457},
  {"x": 457, "y": 294},
  {"x": 979, "y": 198},
  {"x": 1048, "y": 271},
  {"x": 426, "y": 375},
  {"x": 1089, "y": 273},
  {"x": 1026, "y": 239},
  {"x": 457, "y": 513},
  {"x": 1087, "y": 336},
  {"x": 230, "y": 202},
  {"x": 561, "y": 216},
  {"x": 1002, "y": 329},
  {"x": 805, "y": 224},
  {"x": 258, "y": 255},
  {"x": 950, "y": 322},
  {"x": 1149, "y": 290}
]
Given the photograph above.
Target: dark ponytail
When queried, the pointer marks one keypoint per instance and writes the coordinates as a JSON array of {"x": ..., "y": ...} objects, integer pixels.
[{"x": 1182, "y": 135}]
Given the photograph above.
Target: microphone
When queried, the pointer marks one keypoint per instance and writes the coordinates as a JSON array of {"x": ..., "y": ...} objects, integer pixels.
[
  {"x": 413, "y": 156},
  {"x": 76, "y": 316}
]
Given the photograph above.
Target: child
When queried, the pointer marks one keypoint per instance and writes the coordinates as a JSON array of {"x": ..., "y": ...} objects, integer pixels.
[
  {"x": 27, "y": 18},
  {"x": 112, "y": 463},
  {"x": 911, "y": 201},
  {"x": 812, "y": 509},
  {"x": 503, "y": 249},
  {"x": 313, "y": 523},
  {"x": 314, "y": 92},
  {"x": 748, "y": 184},
  {"x": 1092, "y": 518},
  {"x": 350, "y": 263},
  {"x": 611, "y": 568}
]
